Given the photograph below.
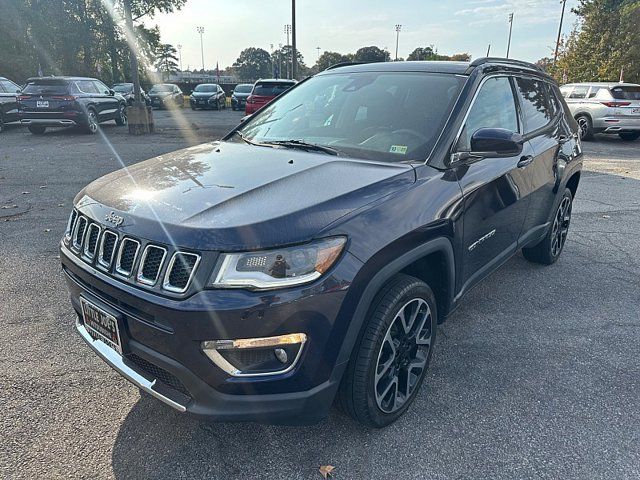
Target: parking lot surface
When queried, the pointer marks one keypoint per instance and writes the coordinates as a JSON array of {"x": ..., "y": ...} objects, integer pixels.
[{"x": 535, "y": 376}]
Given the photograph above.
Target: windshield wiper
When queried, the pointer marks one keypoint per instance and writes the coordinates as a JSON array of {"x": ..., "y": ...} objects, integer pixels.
[
  {"x": 250, "y": 142},
  {"x": 305, "y": 146}
]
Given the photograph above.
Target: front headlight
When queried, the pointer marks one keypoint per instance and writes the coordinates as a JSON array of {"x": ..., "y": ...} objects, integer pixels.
[{"x": 278, "y": 268}]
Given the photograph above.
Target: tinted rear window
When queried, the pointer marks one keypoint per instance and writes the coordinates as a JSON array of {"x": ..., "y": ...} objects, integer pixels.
[
  {"x": 626, "y": 93},
  {"x": 161, "y": 88},
  {"x": 44, "y": 87},
  {"x": 271, "y": 89},
  {"x": 206, "y": 88},
  {"x": 123, "y": 88}
]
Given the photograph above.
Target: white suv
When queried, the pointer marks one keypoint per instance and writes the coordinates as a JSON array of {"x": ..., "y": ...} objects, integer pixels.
[{"x": 605, "y": 108}]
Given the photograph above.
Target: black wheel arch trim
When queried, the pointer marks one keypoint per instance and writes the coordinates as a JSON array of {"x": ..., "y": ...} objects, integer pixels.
[{"x": 437, "y": 245}]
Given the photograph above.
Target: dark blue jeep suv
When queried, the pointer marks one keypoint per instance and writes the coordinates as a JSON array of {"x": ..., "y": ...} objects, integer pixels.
[{"x": 309, "y": 256}]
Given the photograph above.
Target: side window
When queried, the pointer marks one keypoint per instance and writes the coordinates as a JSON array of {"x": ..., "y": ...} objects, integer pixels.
[
  {"x": 579, "y": 91},
  {"x": 594, "y": 91},
  {"x": 536, "y": 106},
  {"x": 86, "y": 86},
  {"x": 565, "y": 91},
  {"x": 2, "y": 88},
  {"x": 101, "y": 87},
  {"x": 494, "y": 107}
]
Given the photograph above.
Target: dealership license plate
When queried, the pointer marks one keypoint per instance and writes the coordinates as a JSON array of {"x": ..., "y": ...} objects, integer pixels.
[
  {"x": 101, "y": 325},
  {"x": 42, "y": 103}
]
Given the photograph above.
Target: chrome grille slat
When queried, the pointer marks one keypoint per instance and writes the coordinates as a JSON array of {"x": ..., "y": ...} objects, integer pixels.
[
  {"x": 91, "y": 240},
  {"x": 180, "y": 271},
  {"x": 71, "y": 224},
  {"x": 78, "y": 232},
  {"x": 127, "y": 256},
  {"x": 151, "y": 264},
  {"x": 107, "y": 249}
]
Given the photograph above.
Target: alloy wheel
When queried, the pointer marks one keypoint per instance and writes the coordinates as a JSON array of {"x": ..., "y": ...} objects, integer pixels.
[
  {"x": 583, "y": 123},
  {"x": 403, "y": 356},
  {"x": 560, "y": 226},
  {"x": 123, "y": 114},
  {"x": 93, "y": 122}
]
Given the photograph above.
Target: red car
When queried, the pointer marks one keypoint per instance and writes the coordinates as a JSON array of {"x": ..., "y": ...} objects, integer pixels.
[{"x": 264, "y": 91}]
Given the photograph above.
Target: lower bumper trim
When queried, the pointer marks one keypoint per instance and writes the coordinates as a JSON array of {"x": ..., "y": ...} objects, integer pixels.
[
  {"x": 116, "y": 362},
  {"x": 48, "y": 122}
]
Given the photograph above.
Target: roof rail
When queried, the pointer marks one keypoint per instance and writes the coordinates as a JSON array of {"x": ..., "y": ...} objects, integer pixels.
[
  {"x": 343, "y": 64},
  {"x": 508, "y": 61}
]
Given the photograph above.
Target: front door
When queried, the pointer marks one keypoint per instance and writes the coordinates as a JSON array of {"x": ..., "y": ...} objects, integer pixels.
[{"x": 495, "y": 202}]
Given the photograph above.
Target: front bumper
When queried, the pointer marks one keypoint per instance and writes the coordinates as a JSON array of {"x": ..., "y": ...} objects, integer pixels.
[{"x": 162, "y": 344}]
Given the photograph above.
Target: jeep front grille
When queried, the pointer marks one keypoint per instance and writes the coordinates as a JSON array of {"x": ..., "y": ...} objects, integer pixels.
[
  {"x": 180, "y": 271},
  {"x": 115, "y": 254}
]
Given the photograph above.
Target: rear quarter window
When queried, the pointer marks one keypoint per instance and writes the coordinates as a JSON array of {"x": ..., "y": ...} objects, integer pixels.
[{"x": 537, "y": 108}]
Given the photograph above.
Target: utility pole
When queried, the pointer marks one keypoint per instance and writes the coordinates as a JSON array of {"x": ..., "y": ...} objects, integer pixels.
[
  {"x": 179, "y": 47},
  {"x": 280, "y": 59},
  {"x": 287, "y": 30},
  {"x": 201, "y": 31},
  {"x": 294, "y": 59},
  {"x": 398, "y": 28},
  {"x": 510, "y": 30},
  {"x": 488, "y": 50},
  {"x": 318, "y": 48},
  {"x": 555, "y": 54}
]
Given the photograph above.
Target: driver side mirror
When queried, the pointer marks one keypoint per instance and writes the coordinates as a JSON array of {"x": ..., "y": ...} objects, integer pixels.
[{"x": 496, "y": 142}]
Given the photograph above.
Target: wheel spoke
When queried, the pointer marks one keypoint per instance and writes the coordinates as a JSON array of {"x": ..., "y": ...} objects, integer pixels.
[{"x": 389, "y": 347}]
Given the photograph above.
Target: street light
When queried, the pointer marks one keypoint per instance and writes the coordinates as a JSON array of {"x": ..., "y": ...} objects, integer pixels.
[
  {"x": 555, "y": 54},
  {"x": 398, "y": 28},
  {"x": 294, "y": 57},
  {"x": 510, "y": 30},
  {"x": 179, "y": 47},
  {"x": 201, "y": 31}
]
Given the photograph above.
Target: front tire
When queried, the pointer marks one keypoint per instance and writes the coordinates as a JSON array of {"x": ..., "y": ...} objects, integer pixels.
[
  {"x": 549, "y": 249},
  {"x": 629, "y": 136},
  {"x": 586, "y": 127},
  {"x": 122, "y": 116},
  {"x": 392, "y": 357}
]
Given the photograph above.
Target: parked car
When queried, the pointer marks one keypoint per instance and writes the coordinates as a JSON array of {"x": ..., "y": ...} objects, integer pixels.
[
  {"x": 166, "y": 95},
  {"x": 126, "y": 90},
  {"x": 8, "y": 102},
  {"x": 208, "y": 95},
  {"x": 605, "y": 107},
  {"x": 240, "y": 95},
  {"x": 264, "y": 91},
  {"x": 313, "y": 252},
  {"x": 69, "y": 101}
]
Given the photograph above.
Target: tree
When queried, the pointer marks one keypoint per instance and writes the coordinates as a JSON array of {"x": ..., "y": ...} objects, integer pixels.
[
  {"x": 166, "y": 59},
  {"x": 252, "y": 64},
  {"x": 282, "y": 62},
  {"x": 606, "y": 41},
  {"x": 330, "y": 58},
  {"x": 460, "y": 57},
  {"x": 372, "y": 54}
]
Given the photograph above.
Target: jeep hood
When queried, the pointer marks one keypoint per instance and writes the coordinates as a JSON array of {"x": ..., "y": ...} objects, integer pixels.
[{"x": 236, "y": 196}]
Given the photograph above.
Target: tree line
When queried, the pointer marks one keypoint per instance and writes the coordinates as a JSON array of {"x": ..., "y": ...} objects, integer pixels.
[
  {"x": 79, "y": 37},
  {"x": 254, "y": 63},
  {"x": 604, "y": 43}
]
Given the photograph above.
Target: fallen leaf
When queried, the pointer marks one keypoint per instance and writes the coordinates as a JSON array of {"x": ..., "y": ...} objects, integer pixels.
[
  {"x": 47, "y": 230},
  {"x": 43, "y": 186},
  {"x": 325, "y": 471},
  {"x": 26, "y": 193},
  {"x": 606, "y": 216},
  {"x": 61, "y": 204}
]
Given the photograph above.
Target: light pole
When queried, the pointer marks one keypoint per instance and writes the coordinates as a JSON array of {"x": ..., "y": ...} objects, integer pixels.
[
  {"x": 294, "y": 59},
  {"x": 398, "y": 28},
  {"x": 318, "y": 48},
  {"x": 555, "y": 54},
  {"x": 201, "y": 31},
  {"x": 488, "y": 50},
  {"x": 287, "y": 31},
  {"x": 510, "y": 30},
  {"x": 280, "y": 59},
  {"x": 179, "y": 47}
]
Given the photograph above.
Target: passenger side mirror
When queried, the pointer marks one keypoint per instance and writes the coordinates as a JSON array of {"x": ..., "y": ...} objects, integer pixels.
[
  {"x": 110, "y": 92},
  {"x": 18, "y": 92},
  {"x": 488, "y": 142}
]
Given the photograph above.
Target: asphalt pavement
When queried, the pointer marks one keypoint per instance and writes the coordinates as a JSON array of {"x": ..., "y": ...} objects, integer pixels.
[{"x": 537, "y": 375}]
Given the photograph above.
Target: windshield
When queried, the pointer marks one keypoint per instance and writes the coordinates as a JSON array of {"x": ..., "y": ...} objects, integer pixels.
[
  {"x": 380, "y": 116},
  {"x": 206, "y": 88},
  {"x": 271, "y": 89},
  {"x": 243, "y": 88},
  {"x": 631, "y": 92},
  {"x": 43, "y": 87},
  {"x": 161, "y": 88},
  {"x": 123, "y": 88}
]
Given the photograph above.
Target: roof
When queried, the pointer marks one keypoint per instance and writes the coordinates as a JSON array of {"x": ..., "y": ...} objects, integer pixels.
[
  {"x": 432, "y": 66},
  {"x": 284, "y": 80},
  {"x": 61, "y": 78},
  {"x": 603, "y": 84}
]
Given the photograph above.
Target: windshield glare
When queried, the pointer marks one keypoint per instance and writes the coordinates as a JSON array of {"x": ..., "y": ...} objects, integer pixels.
[
  {"x": 205, "y": 88},
  {"x": 390, "y": 117}
]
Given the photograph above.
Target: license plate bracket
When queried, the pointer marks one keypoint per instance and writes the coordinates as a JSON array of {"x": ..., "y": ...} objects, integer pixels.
[
  {"x": 101, "y": 324},
  {"x": 42, "y": 103}
]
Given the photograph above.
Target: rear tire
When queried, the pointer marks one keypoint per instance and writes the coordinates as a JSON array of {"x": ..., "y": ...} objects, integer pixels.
[
  {"x": 586, "y": 127},
  {"x": 92, "y": 122},
  {"x": 629, "y": 136},
  {"x": 390, "y": 360},
  {"x": 37, "y": 129},
  {"x": 548, "y": 250}
]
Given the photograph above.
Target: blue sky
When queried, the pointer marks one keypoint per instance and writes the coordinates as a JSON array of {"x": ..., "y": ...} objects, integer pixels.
[{"x": 452, "y": 26}]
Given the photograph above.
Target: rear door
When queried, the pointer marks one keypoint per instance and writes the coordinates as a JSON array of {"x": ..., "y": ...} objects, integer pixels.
[
  {"x": 544, "y": 130},
  {"x": 108, "y": 104},
  {"x": 494, "y": 189}
]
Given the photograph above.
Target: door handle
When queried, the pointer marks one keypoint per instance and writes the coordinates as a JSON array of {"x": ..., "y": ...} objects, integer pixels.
[{"x": 525, "y": 160}]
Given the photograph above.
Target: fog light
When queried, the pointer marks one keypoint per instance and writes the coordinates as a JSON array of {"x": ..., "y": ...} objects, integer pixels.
[{"x": 256, "y": 356}]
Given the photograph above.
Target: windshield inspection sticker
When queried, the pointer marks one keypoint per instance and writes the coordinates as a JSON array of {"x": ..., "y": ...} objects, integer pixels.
[{"x": 401, "y": 149}]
